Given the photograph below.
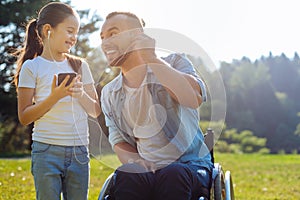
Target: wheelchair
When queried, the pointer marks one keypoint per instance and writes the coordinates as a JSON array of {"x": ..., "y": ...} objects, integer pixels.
[{"x": 221, "y": 187}]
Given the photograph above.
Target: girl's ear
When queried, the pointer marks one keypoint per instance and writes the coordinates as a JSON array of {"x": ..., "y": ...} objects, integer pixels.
[{"x": 46, "y": 30}]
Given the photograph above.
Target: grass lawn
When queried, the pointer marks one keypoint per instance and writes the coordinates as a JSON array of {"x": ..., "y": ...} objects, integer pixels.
[
  {"x": 254, "y": 176},
  {"x": 263, "y": 177}
]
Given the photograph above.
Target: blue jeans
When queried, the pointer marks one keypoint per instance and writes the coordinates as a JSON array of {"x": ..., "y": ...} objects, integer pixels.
[
  {"x": 60, "y": 169},
  {"x": 177, "y": 181}
]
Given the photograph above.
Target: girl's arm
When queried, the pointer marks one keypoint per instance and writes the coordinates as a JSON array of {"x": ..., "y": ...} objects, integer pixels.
[
  {"x": 89, "y": 100},
  {"x": 28, "y": 112}
]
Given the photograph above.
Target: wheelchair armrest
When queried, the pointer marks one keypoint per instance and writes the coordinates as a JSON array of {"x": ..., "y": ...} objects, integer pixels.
[{"x": 216, "y": 170}]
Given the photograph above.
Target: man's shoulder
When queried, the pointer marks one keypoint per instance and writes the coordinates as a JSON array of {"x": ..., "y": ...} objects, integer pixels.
[
  {"x": 179, "y": 61},
  {"x": 174, "y": 57},
  {"x": 113, "y": 84}
]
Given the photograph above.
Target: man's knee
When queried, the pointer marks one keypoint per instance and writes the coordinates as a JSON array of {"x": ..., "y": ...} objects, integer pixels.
[{"x": 131, "y": 168}]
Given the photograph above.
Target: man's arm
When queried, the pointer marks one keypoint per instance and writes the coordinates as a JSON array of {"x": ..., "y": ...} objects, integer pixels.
[
  {"x": 183, "y": 87},
  {"x": 128, "y": 154}
]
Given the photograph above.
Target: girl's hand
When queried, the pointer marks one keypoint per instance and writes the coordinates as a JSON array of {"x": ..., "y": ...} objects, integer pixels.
[
  {"x": 62, "y": 90},
  {"x": 77, "y": 89}
]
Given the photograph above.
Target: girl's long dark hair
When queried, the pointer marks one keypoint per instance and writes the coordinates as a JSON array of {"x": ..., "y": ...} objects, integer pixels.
[{"x": 53, "y": 13}]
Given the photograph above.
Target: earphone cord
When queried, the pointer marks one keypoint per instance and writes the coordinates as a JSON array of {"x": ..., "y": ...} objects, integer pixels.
[
  {"x": 76, "y": 131},
  {"x": 51, "y": 55}
]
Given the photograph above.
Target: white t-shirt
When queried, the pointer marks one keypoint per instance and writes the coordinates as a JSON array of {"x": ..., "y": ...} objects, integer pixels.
[
  {"x": 66, "y": 123},
  {"x": 141, "y": 115}
]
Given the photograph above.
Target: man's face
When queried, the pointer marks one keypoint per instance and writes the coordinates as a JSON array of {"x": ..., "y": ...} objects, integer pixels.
[{"x": 116, "y": 39}]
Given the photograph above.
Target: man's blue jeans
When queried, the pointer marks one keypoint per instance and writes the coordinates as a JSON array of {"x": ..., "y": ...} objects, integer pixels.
[
  {"x": 60, "y": 169},
  {"x": 177, "y": 181}
]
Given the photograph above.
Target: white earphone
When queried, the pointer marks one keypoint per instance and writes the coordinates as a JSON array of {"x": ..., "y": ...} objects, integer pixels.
[{"x": 49, "y": 32}]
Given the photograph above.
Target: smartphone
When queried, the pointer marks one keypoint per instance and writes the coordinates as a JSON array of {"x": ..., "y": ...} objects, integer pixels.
[{"x": 62, "y": 76}]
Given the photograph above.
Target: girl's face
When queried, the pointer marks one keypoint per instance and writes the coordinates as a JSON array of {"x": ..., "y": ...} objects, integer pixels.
[{"x": 64, "y": 36}]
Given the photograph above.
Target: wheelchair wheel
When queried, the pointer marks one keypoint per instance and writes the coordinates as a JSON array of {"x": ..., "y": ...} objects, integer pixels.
[
  {"x": 228, "y": 186},
  {"x": 104, "y": 192},
  {"x": 218, "y": 187},
  {"x": 222, "y": 185}
]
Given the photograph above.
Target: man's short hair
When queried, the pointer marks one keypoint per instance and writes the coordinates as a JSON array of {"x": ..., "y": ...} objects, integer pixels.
[{"x": 129, "y": 14}]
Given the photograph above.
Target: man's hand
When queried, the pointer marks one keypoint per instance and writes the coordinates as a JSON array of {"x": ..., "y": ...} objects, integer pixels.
[
  {"x": 146, "y": 164},
  {"x": 144, "y": 46}
]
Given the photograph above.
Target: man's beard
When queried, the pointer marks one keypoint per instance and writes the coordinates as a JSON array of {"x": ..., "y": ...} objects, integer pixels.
[{"x": 119, "y": 60}]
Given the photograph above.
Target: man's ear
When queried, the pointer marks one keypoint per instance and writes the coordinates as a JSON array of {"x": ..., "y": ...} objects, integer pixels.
[{"x": 135, "y": 32}]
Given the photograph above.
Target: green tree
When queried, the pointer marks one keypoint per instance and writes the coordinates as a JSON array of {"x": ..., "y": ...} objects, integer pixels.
[
  {"x": 243, "y": 142},
  {"x": 254, "y": 103},
  {"x": 297, "y": 131}
]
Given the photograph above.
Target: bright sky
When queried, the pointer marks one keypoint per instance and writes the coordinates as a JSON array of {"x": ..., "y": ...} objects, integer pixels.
[{"x": 225, "y": 29}]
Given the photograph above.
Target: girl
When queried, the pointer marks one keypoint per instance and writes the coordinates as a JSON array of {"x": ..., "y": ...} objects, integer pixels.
[{"x": 60, "y": 159}]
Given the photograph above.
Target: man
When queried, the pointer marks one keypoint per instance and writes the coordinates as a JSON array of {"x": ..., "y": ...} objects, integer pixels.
[{"x": 151, "y": 113}]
